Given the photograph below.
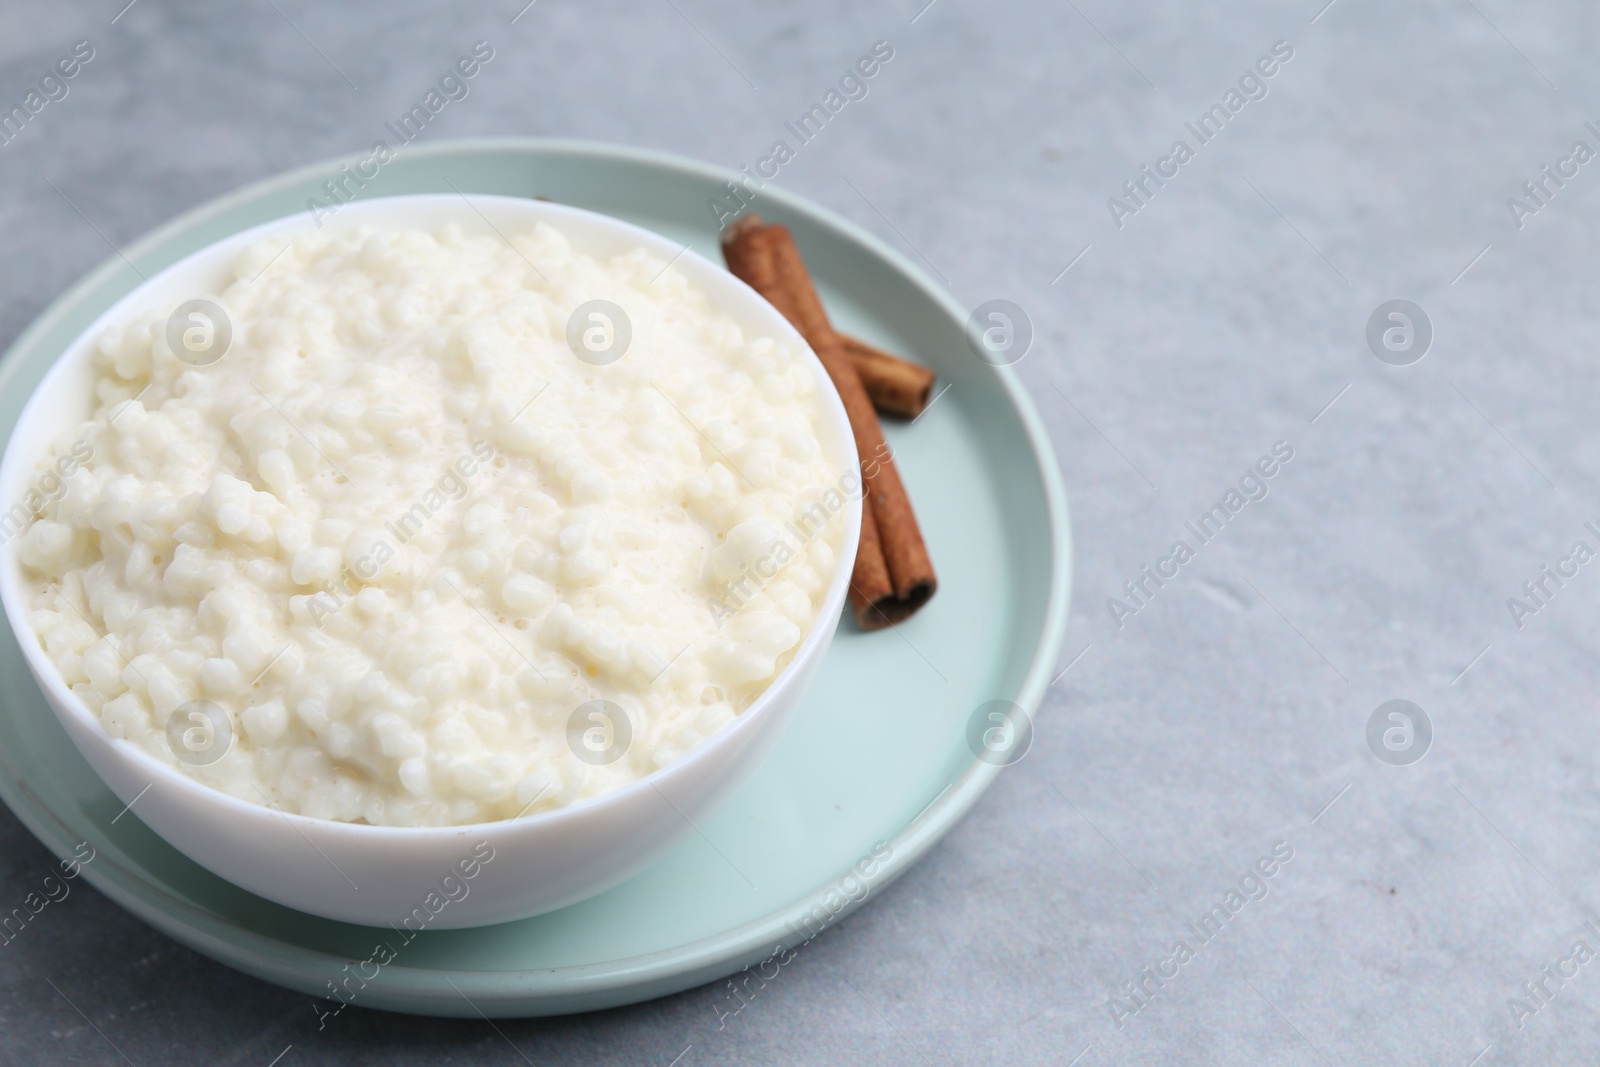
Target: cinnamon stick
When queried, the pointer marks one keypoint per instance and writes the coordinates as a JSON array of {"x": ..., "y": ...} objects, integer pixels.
[
  {"x": 752, "y": 261},
  {"x": 897, "y": 386},
  {"x": 767, "y": 260}
]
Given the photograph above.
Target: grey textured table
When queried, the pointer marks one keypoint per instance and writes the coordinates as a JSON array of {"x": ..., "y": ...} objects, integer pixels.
[{"x": 1215, "y": 312}]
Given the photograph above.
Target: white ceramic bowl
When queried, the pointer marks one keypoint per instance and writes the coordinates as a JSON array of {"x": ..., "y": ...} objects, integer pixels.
[{"x": 380, "y": 875}]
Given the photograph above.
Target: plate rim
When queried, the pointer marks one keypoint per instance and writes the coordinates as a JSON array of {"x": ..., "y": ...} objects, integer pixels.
[{"x": 551, "y": 991}]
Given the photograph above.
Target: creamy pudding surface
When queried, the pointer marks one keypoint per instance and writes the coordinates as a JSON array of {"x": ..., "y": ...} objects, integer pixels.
[{"x": 426, "y": 528}]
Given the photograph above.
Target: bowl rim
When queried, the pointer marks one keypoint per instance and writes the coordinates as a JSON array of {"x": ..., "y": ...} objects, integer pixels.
[{"x": 352, "y": 216}]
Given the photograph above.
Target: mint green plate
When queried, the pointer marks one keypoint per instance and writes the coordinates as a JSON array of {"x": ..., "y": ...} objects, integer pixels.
[{"x": 876, "y": 766}]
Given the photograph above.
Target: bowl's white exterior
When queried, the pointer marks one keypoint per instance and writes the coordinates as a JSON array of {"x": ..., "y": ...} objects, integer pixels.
[{"x": 382, "y": 876}]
